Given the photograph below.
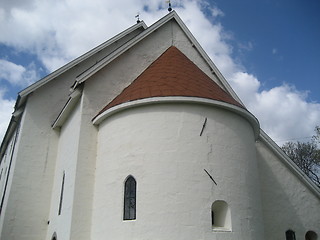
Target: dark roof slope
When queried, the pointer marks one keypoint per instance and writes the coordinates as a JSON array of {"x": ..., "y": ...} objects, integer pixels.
[{"x": 172, "y": 74}]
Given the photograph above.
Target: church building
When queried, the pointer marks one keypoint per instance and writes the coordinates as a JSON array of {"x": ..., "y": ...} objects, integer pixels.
[{"x": 142, "y": 138}]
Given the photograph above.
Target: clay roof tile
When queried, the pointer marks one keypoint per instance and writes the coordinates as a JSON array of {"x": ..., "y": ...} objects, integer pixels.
[{"x": 172, "y": 74}]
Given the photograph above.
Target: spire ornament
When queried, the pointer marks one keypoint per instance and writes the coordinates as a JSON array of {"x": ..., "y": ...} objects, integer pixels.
[
  {"x": 138, "y": 17},
  {"x": 169, "y": 8}
]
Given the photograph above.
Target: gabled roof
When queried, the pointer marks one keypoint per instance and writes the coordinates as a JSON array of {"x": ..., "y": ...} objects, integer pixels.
[
  {"x": 144, "y": 89},
  {"x": 169, "y": 17},
  {"x": 172, "y": 74}
]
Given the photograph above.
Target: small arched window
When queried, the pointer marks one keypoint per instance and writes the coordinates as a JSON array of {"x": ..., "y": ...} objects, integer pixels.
[
  {"x": 130, "y": 188},
  {"x": 220, "y": 216},
  {"x": 61, "y": 193},
  {"x": 311, "y": 235},
  {"x": 290, "y": 235},
  {"x": 54, "y": 236}
]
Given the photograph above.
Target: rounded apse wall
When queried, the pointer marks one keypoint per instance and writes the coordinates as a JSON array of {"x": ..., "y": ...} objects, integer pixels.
[{"x": 183, "y": 157}]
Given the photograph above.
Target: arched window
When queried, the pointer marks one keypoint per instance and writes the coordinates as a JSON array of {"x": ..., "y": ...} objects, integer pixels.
[
  {"x": 54, "y": 236},
  {"x": 130, "y": 186},
  {"x": 220, "y": 216},
  {"x": 61, "y": 193},
  {"x": 311, "y": 235},
  {"x": 290, "y": 235}
]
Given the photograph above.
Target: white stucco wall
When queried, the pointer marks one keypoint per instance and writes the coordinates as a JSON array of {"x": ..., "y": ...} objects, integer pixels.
[
  {"x": 66, "y": 163},
  {"x": 6, "y": 173},
  {"x": 107, "y": 83},
  {"x": 85, "y": 171},
  {"x": 287, "y": 202},
  {"x": 160, "y": 146},
  {"x": 30, "y": 192},
  {"x": 28, "y": 202},
  {"x": 4, "y": 165}
]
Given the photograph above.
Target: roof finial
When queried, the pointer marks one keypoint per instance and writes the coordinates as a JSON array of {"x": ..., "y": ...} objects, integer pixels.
[
  {"x": 138, "y": 17},
  {"x": 169, "y": 8}
]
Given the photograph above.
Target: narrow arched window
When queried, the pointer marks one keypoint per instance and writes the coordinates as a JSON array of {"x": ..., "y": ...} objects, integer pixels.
[
  {"x": 220, "y": 216},
  {"x": 311, "y": 235},
  {"x": 130, "y": 188},
  {"x": 290, "y": 235},
  {"x": 54, "y": 236},
  {"x": 61, "y": 193}
]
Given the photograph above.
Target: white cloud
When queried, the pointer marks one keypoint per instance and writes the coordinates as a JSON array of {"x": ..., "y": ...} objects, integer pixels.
[
  {"x": 10, "y": 4},
  {"x": 246, "y": 86},
  {"x": 216, "y": 12},
  {"x": 211, "y": 36},
  {"x": 17, "y": 74},
  {"x": 274, "y": 51},
  {"x": 58, "y": 31},
  {"x": 11, "y": 72},
  {"x": 285, "y": 113},
  {"x": 248, "y": 46}
]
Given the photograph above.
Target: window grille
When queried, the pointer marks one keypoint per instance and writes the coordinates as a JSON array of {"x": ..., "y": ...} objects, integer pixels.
[
  {"x": 290, "y": 235},
  {"x": 130, "y": 199}
]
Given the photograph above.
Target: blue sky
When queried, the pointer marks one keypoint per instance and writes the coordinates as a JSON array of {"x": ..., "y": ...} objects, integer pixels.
[
  {"x": 268, "y": 50},
  {"x": 285, "y": 37}
]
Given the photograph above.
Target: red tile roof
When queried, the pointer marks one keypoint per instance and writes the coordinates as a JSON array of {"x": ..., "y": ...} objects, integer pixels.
[{"x": 172, "y": 74}]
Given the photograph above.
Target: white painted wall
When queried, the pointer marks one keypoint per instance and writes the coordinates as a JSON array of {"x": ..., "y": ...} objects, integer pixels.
[
  {"x": 66, "y": 163},
  {"x": 27, "y": 211},
  {"x": 287, "y": 202},
  {"x": 4, "y": 166},
  {"x": 7, "y": 166},
  {"x": 160, "y": 146},
  {"x": 85, "y": 171},
  {"x": 98, "y": 91},
  {"x": 30, "y": 189}
]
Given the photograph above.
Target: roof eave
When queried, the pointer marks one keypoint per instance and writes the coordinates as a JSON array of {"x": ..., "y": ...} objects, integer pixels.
[
  {"x": 67, "y": 109},
  {"x": 180, "y": 99},
  {"x": 76, "y": 61}
]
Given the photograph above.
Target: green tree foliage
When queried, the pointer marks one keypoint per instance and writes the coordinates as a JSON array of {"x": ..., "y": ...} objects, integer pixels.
[{"x": 306, "y": 155}]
